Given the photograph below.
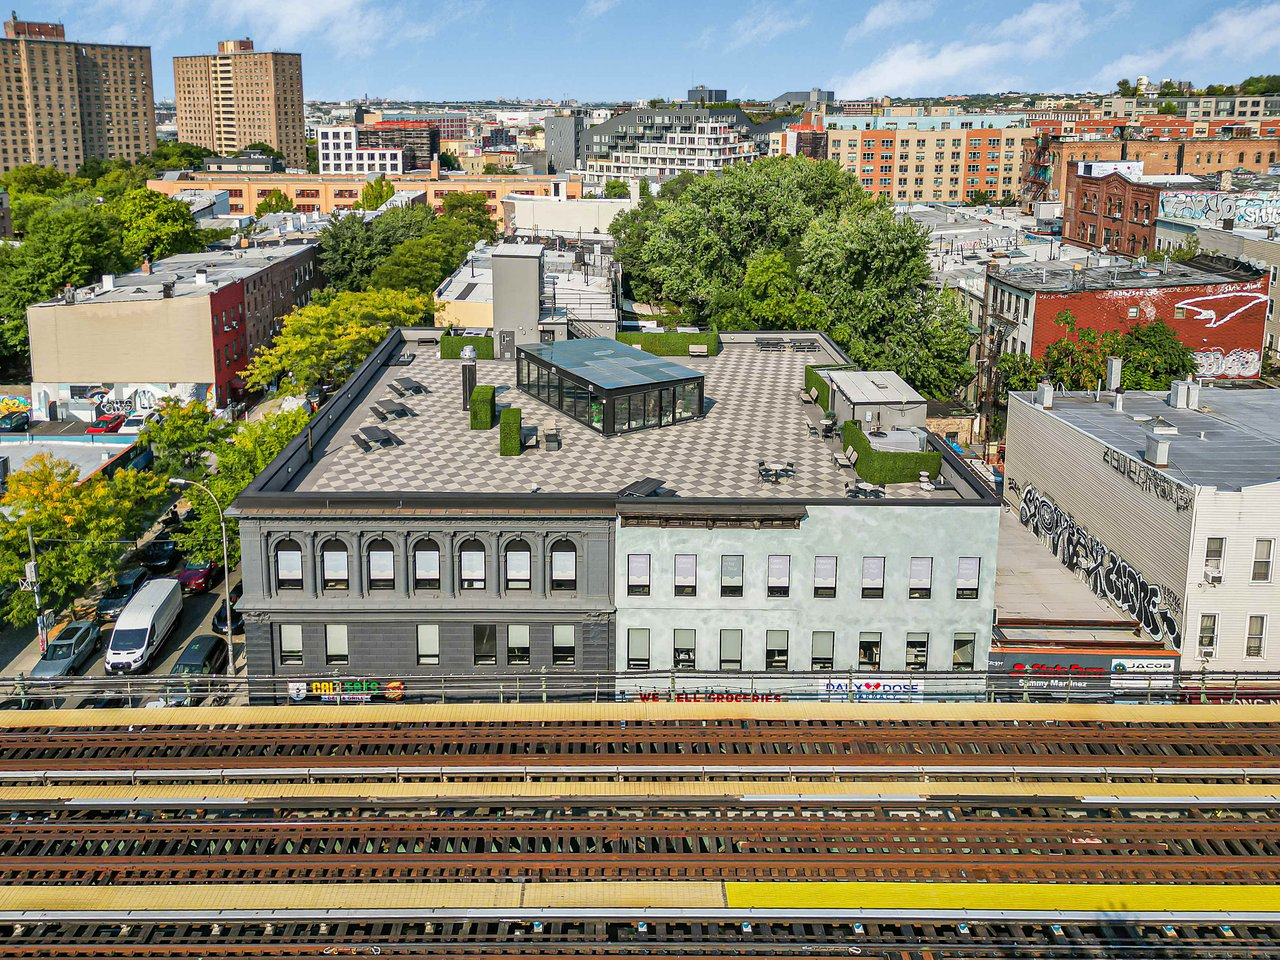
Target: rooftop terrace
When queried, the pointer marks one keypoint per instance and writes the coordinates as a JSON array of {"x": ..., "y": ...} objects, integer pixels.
[{"x": 1060, "y": 277}]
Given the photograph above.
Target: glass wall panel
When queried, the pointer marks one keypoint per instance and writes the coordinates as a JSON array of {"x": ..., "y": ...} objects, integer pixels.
[
  {"x": 651, "y": 408},
  {"x": 597, "y": 413},
  {"x": 637, "y": 411}
]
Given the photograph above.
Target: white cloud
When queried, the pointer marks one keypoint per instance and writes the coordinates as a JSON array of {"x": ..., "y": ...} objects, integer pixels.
[
  {"x": 889, "y": 13},
  {"x": 762, "y": 24},
  {"x": 592, "y": 9}
]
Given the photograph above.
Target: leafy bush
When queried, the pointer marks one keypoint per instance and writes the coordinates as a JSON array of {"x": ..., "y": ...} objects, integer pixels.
[
  {"x": 482, "y": 407},
  {"x": 509, "y": 432},
  {"x": 671, "y": 344},
  {"x": 887, "y": 466},
  {"x": 813, "y": 381},
  {"x": 451, "y": 347}
]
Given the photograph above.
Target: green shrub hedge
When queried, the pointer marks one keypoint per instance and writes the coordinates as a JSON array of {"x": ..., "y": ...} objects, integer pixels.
[
  {"x": 813, "y": 381},
  {"x": 509, "y": 432},
  {"x": 482, "y": 407},
  {"x": 671, "y": 344},
  {"x": 887, "y": 466},
  {"x": 451, "y": 347}
]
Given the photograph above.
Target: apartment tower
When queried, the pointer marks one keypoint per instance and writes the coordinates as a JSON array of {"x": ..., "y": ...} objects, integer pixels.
[
  {"x": 63, "y": 102},
  {"x": 241, "y": 96}
]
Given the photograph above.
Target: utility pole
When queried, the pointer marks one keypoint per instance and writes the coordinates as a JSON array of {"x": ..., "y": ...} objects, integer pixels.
[{"x": 33, "y": 575}]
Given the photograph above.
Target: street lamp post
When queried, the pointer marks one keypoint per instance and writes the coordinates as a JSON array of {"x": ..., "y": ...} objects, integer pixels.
[{"x": 226, "y": 567}]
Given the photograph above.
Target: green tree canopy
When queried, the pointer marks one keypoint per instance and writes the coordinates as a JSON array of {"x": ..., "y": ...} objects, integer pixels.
[
  {"x": 155, "y": 226},
  {"x": 471, "y": 209},
  {"x": 259, "y": 147},
  {"x": 616, "y": 190},
  {"x": 319, "y": 344},
  {"x": 277, "y": 201},
  {"x": 449, "y": 161},
  {"x": 183, "y": 436},
  {"x": 375, "y": 193},
  {"x": 351, "y": 249}
]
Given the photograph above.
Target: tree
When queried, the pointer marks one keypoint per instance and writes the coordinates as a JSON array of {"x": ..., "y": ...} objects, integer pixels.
[
  {"x": 178, "y": 156},
  {"x": 1168, "y": 108},
  {"x": 81, "y": 528},
  {"x": 1152, "y": 354},
  {"x": 327, "y": 343},
  {"x": 616, "y": 190},
  {"x": 1169, "y": 89},
  {"x": 277, "y": 201},
  {"x": 155, "y": 226},
  {"x": 313, "y": 158},
  {"x": 449, "y": 161},
  {"x": 771, "y": 298},
  {"x": 375, "y": 193},
  {"x": 980, "y": 197},
  {"x": 241, "y": 457},
  {"x": 350, "y": 249},
  {"x": 1186, "y": 250},
  {"x": 259, "y": 147},
  {"x": 183, "y": 436},
  {"x": 1124, "y": 88},
  {"x": 1262, "y": 85},
  {"x": 1018, "y": 372},
  {"x": 498, "y": 170},
  {"x": 470, "y": 209}
]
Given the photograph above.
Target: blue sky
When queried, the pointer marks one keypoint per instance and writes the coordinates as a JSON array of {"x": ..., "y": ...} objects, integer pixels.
[{"x": 625, "y": 49}]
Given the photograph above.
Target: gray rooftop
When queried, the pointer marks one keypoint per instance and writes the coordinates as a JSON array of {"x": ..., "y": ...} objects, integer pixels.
[
  {"x": 609, "y": 364},
  {"x": 878, "y": 386},
  {"x": 1059, "y": 277},
  {"x": 1241, "y": 432}
]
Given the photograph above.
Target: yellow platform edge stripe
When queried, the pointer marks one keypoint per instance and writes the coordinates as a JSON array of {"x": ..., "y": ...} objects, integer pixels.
[
  {"x": 1047, "y": 897},
  {"x": 547, "y": 712},
  {"x": 710, "y": 789}
]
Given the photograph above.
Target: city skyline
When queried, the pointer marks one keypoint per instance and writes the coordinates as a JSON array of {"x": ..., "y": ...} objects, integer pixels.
[{"x": 402, "y": 49}]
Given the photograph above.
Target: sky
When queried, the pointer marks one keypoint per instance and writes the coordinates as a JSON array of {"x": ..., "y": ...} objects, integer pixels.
[{"x": 756, "y": 49}]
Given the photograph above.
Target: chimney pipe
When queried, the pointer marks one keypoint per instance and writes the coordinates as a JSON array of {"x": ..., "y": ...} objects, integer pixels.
[
  {"x": 108, "y": 281},
  {"x": 1179, "y": 392},
  {"x": 202, "y": 276},
  {"x": 1117, "y": 404},
  {"x": 146, "y": 265},
  {"x": 166, "y": 290},
  {"x": 1157, "y": 451},
  {"x": 1114, "y": 366}
]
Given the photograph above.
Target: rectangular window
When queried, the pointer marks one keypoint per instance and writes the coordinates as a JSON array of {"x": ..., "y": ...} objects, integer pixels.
[
  {"x": 288, "y": 569},
  {"x": 637, "y": 574},
  {"x": 484, "y": 641},
  {"x": 730, "y": 649},
  {"x": 1256, "y": 637},
  {"x": 917, "y": 651},
  {"x": 564, "y": 569},
  {"x": 684, "y": 644},
  {"x": 382, "y": 569},
  {"x": 1208, "y": 634},
  {"x": 967, "y": 571},
  {"x": 824, "y": 576},
  {"x": 518, "y": 644},
  {"x": 564, "y": 646},
  {"x": 335, "y": 645},
  {"x": 686, "y": 575},
  {"x": 472, "y": 569},
  {"x": 518, "y": 569},
  {"x": 921, "y": 587},
  {"x": 730, "y": 576},
  {"x": 637, "y": 649},
  {"x": 426, "y": 568},
  {"x": 822, "y": 654},
  {"x": 428, "y": 645},
  {"x": 962, "y": 651},
  {"x": 776, "y": 643},
  {"x": 779, "y": 575},
  {"x": 868, "y": 651},
  {"x": 872, "y": 577},
  {"x": 1262, "y": 561},
  {"x": 334, "y": 565},
  {"x": 291, "y": 644},
  {"x": 1214, "y": 548}
]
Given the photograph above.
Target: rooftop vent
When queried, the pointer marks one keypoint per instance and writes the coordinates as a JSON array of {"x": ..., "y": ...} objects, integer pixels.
[
  {"x": 1163, "y": 427},
  {"x": 1114, "y": 367},
  {"x": 1044, "y": 396},
  {"x": 1157, "y": 451}
]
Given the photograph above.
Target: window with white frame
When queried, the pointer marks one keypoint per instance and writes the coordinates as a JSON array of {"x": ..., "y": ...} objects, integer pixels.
[
  {"x": 869, "y": 651},
  {"x": 872, "y": 577},
  {"x": 730, "y": 576},
  {"x": 484, "y": 644},
  {"x": 684, "y": 649},
  {"x": 637, "y": 574},
  {"x": 288, "y": 565},
  {"x": 291, "y": 644},
  {"x": 917, "y": 651},
  {"x": 382, "y": 565},
  {"x": 730, "y": 649},
  {"x": 1255, "y": 639},
  {"x": 518, "y": 644},
  {"x": 336, "y": 653},
  {"x": 779, "y": 575},
  {"x": 1262, "y": 550},
  {"x": 564, "y": 565},
  {"x": 1208, "y": 634},
  {"x": 564, "y": 645},
  {"x": 686, "y": 581},
  {"x": 921, "y": 585},
  {"x": 1214, "y": 548},
  {"x": 822, "y": 655},
  {"x": 776, "y": 644},
  {"x": 428, "y": 644},
  {"x": 968, "y": 570},
  {"x": 638, "y": 648},
  {"x": 519, "y": 563},
  {"x": 824, "y": 577},
  {"x": 333, "y": 565}
]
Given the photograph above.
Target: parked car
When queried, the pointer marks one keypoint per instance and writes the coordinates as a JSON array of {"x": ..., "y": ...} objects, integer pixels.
[
  {"x": 159, "y": 555},
  {"x": 144, "y": 626},
  {"x": 106, "y": 703},
  {"x": 200, "y": 576},
  {"x": 120, "y": 593},
  {"x": 69, "y": 650},
  {"x": 220, "y": 619},
  {"x": 137, "y": 421},
  {"x": 16, "y": 421},
  {"x": 204, "y": 656},
  {"x": 107, "y": 423}
]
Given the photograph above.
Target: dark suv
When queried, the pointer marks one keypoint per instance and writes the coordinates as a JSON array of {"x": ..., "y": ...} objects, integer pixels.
[{"x": 120, "y": 593}]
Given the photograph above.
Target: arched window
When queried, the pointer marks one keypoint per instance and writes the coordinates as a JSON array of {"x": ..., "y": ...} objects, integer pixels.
[
  {"x": 333, "y": 565},
  {"x": 426, "y": 565},
  {"x": 564, "y": 565},
  {"x": 381, "y": 569},
  {"x": 471, "y": 557},
  {"x": 518, "y": 560},
  {"x": 288, "y": 565}
]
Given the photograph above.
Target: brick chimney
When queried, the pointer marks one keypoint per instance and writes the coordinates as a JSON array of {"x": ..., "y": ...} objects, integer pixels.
[{"x": 146, "y": 265}]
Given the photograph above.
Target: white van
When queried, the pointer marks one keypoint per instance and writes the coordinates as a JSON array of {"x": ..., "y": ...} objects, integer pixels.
[{"x": 144, "y": 625}]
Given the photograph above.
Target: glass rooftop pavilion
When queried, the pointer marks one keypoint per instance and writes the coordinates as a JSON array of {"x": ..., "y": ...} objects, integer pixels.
[{"x": 609, "y": 386}]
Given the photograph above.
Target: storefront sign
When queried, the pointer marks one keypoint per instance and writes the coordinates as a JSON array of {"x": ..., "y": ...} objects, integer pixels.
[{"x": 346, "y": 691}]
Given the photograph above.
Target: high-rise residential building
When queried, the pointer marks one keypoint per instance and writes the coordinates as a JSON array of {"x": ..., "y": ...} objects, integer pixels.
[
  {"x": 63, "y": 102},
  {"x": 241, "y": 96}
]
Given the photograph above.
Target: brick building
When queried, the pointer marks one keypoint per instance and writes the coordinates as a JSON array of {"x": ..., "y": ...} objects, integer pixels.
[
  {"x": 1114, "y": 205},
  {"x": 63, "y": 102},
  {"x": 1217, "y": 308}
]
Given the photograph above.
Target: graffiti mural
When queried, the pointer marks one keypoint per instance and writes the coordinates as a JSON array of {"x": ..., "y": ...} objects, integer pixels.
[
  {"x": 1148, "y": 478},
  {"x": 12, "y": 404},
  {"x": 1213, "y": 205},
  {"x": 1107, "y": 575},
  {"x": 1216, "y": 309},
  {"x": 1236, "y": 363}
]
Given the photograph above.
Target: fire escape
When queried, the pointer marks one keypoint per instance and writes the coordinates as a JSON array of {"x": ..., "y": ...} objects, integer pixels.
[{"x": 1039, "y": 171}]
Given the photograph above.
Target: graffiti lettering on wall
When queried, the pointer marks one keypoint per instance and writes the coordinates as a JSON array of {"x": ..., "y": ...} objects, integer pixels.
[
  {"x": 1212, "y": 205},
  {"x": 1107, "y": 574},
  {"x": 1148, "y": 478},
  {"x": 1217, "y": 308},
  {"x": 1238, "y": 363},
  {"x": 10, "y": 404}
]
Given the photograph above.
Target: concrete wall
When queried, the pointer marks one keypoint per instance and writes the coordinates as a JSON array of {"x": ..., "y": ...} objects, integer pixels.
[
  {"x": 563, "y": 217},
  {"x": 849, "y": 533},
  {"x": 462, "y": 313}
]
